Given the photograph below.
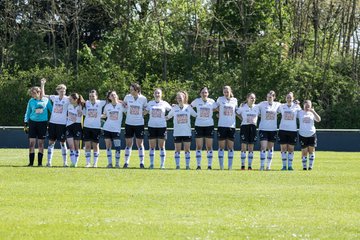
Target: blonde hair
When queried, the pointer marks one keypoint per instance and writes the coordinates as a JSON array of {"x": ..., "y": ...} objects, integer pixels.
[
  {"x": 60, "y": 86},
  {"x": 186, "y": 96},
  {"x": 230, "y": 90},
  {"x": 35, "y": 88}
]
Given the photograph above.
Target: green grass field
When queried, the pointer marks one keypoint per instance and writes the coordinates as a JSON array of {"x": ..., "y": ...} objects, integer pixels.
[{"x": 69, "y": 203}]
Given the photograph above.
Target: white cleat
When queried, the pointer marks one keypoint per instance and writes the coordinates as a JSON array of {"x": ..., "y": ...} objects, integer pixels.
[{"x": 88, "y": 165}]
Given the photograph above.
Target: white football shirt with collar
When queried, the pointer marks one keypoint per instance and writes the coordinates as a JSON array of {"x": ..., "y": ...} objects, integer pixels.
[
  {"x": 74, "y": 114},
  {"x": 204, "y": 111},
  {"x": 268, "y": 115},
  {"x": 182, "y": 123},
  {"x": 157, "y": 112},
  {"x": 59, "y": 111},
  {"x": 114, "y": 116},
  {"x": 307, "y": 123},
  {"x": 288, "y": 116},
  {"x": 93, "y": 113},
  {"x": 227, "y": 111},
  {"x": 135, "y": 110},
  {"x": 249, "y": 115}
]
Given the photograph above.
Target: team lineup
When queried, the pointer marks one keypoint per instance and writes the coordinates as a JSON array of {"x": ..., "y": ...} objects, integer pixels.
[{"x": 73, "y": 120}]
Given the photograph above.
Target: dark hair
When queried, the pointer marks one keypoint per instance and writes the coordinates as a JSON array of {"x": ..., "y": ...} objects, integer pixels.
[
  {"x": 136, "y": 87},
  {"x": 203, "y": 88},
  {"x": 108, "y": 95},
  {"x": 79, "y": 99},
  {"x": 94, "y": 91},
  {"x": 272, "y": 93}
]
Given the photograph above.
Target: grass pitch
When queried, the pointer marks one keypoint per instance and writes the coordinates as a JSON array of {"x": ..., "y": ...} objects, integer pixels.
[{"x": 68, "y": 203}]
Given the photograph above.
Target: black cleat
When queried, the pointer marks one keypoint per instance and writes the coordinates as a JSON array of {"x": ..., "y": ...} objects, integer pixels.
[
  {"x": 304, "y": 168},
  {"x": 309, "y": 168},
  {"x": 242, "y": 167},
  {"x": 198, "y": 168},
  {"x": 142, "y": 166},
  {"x": 249, "y": 168},
  {"x": 209, "y": 168},
  {"x": 126, "y": 165}
]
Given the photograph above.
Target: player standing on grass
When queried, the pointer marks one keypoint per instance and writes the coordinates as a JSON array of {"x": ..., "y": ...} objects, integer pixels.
[
  {"x": 249, "y": 114},
  {"x": 288, "y": 131},
  {"x": 35, "y": 123},
  {"x": 113, "y": 112},
  {"x": 73, "y": 126},
  {"x": 226, "y": 105},
  {"x": 157, "y": 126},
  {"x": 182, "y": 127},
  {"x": 135, "y": 104},
  {"x": 57, "y": 123},
  {"x": 268, "y": 129},
  {"x": 92, "y": 126},
  {"x": 204, "y": 126},
  {"x": 307, "y": 133}
]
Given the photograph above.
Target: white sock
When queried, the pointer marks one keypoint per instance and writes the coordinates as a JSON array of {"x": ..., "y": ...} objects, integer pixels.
[
  {"x": 269, "y": 158},
  {"x": 72, "y": 156},
  {"x": 187, "y": 159},
  {"x": 50, "y": 153},
  {"x": 64, "y": 152},
  {"x": 109, "y": 155},
  {"x": 304, "y": 162},
  {"x": 162, "y": 157},
  {"x": 88, "y": 157},
  {"x": 96, "y": 158},
  {"x": 77, "y": 154},
  {"x": 290, "y": 159},
  {"x": 152, "y": 156},
  {"x": 198, "y": 157},
  {"x": 209, "y": 156},
  {"x": 177, "y": 159},
  {"x": 127, "y": 154},
  {"x": 262, "y": 159},
  {"x": 230, "y": 158},
  {"x": 141, "y": 155},
  {"x": 311, "y": 160},
  {"x": 117, "y": 155},
  {"x": 250, "y": 158},
  {"x": 243, "y": 157},
  {"x": 221, "y": 158},
  {"x": 284, "y": 158}
]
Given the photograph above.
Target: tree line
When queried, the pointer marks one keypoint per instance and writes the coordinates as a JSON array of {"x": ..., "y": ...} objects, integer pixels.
[{"x": 309, "y": 47}]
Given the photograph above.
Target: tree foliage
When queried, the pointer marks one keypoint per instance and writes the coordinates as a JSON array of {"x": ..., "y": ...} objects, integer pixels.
[{"x": 309, "y": 47}]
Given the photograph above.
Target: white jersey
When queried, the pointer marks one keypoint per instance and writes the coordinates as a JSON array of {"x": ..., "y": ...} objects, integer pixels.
[
  {"x": 288, "y": 116},
  {"x": 182, "y": 124},
  {"x": 268, "y": 115},
  {"x": 59, "y": 111},
  {"x": 74, "y": 114},
  {"x": 135, "y": 109},
  {"x": 249, "y": 115},
  {"x": 92, "y": 114},
  {"x": 204, "y": 112},
  {"x": 227, "y": 108},
  {"x": 114, "y": 116},
  {"x": 307, "y": 126},
  {"x": 157, "y": 113}
]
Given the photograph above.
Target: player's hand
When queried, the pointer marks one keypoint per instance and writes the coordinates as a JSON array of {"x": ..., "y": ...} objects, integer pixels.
[
  {"x": 43, "y": 81},
  {"x": 26, "y": 127}
]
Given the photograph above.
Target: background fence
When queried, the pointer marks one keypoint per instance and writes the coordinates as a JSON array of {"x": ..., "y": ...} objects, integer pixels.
[{"x": 346, "y": 140}]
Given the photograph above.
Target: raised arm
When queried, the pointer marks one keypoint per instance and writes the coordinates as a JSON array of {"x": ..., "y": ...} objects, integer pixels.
[
  {"x": 317, "y": 117},
  {"x": 42, "y": 86}
]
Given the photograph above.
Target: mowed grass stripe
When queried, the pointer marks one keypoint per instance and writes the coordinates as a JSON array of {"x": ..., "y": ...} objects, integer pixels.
[{"x": 58, "y": 203}]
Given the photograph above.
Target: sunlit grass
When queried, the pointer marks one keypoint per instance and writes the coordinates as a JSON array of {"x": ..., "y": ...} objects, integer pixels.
[{"x": 68, "y": 203}]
